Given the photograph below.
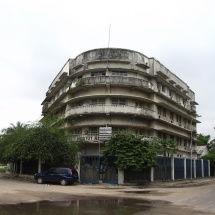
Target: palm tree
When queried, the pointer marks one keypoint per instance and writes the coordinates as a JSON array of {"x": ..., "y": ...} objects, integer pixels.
[{"x": 13, "y": 128}]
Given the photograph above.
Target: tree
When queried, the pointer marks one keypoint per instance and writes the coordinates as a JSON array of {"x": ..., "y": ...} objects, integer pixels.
[
  {"x": 13, "y": 128},
  {"x": 211, "y": 146},
  {"x": 136, "y": 152},
  {"x": 203, "y": 140},
  {"x": 48, "y": 141},
  {"x": 211, "y": 158}
]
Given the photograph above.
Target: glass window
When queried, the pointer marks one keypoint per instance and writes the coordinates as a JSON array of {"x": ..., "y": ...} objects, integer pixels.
[
  {"x": 118, "y": 101},
  {"x": 119, "y": 73},
  {"x": 99, "y": 73},
  {"x": 116, "y": 130},
  {"x": 171, "y": 115},
  {"x": 159, "y": 110},
  {"x": 98, "y": 101},
  {"x": 164, "y": 112},
  {"x": 94, "y": 130}
]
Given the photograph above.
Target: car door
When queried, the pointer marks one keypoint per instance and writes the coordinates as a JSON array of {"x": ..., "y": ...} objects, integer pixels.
[
  {"x": 49, "y": 176},
  {"x": 57, "y": 175}
]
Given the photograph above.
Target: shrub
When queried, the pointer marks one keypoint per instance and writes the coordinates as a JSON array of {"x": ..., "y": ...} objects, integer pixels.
[{"x": 3, "y": 169}]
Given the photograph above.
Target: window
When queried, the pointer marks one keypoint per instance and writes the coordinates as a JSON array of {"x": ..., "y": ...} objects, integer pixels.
[
  {"x": 116, "y": 130},
  {"x": 159, "y": 110},
  {"x": 170, "y": 93},
  {"x": 118, "y": 101},
  {"x": 163, "y": 89},
  {"x": 178, "y": 118},
  {"x": 119, "y": 73},
  {"x": 139, "y": 104},
  {"x": 94, "y": 130},
  {"x": 139, "y": 132},
  {"x": 159, "y": 134},
  {"x": 164, "y": 112},
  {"x": 172, "y": 137},
  {"x": 177, "y": 98},
  {"x": 100, "y": 101},
  {"x": 171, "y": 115},
  {"x": 99, "y": 73},
  {"x": 79, "y": 103},
  {"x": 159, "y": 86}
]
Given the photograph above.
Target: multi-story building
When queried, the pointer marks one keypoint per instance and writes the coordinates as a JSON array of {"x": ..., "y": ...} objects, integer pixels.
[{"x": 105, "y": 91}]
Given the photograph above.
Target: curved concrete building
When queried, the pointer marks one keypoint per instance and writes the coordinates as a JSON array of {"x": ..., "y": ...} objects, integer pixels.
[{"x": 104, "y": 91}]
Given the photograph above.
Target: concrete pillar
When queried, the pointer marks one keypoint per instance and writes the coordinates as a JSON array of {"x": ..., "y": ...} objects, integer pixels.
[
  {"x": 120, "y": 176},
  {"x": 172, "y": 169},
  {"x": 152, "y": 174},
  {"x": 194, "y": 167},
  {"x": 209, "y": 168},
  {"x": 79, "y": 166},
  {"x": 14, "y": 166},
  {"x": 21, "y": 167},
  {"x": 39, "y": 165},
  {"x": 202, "y": 167},
  {"x": 185, "y": 168}
]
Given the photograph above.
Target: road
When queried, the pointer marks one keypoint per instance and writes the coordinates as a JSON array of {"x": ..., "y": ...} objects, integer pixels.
[{"x": 199, "y": 197}]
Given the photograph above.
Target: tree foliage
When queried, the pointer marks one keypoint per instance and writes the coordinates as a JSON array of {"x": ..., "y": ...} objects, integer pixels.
[
  {"x": 203, "y": 140},
  {"x": 136, "y": 152},
  {"x": 211, "y": 158},
  {"x": 211, "y": 146},
  {"x": 46, "y": 140}
]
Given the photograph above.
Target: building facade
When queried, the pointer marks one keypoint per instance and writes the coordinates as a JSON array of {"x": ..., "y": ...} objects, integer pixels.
[{"x": 105, "y": 91}]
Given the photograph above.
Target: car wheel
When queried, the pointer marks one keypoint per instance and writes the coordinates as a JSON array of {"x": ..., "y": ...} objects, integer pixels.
[
  {"x": 40, "y": 181},
  {"x": 63, "y": 182}
]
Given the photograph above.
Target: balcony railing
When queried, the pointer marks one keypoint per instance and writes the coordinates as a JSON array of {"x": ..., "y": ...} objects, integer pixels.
[
  {"x": 45, "y": 106},
  {"x": 117, "y": 80},
  {"x": 107, "y": 109},
  {"x": 94, "y": 137}
]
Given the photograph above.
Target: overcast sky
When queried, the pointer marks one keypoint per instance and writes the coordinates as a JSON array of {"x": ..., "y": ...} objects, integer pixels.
[{"x": 39, "y": 36}]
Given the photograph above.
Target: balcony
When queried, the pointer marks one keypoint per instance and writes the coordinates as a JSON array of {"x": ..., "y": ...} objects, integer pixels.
[
  {"x": 109, "y": 109},
  {"x": 120, "y": 80},
  {"x": 94, "y": 137},
  {"x": 45, "y": 107}
]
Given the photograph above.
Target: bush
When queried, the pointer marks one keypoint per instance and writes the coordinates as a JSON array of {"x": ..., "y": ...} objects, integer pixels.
[{"x": 3, "y": 169}]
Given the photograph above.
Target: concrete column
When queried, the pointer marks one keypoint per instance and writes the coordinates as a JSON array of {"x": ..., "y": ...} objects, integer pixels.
[
  {"x": 21, "y": 167},
  {"x": 209, "y": 168},
  {"x": 120, "y": 176},
  {"x": 172, "y": 169},
  {"x": 202, "y": 167},
  {"x": 39, "y": 165},
  {"x": 79, "y": 166},
  {"x": 152, "y": 174},
  {"x": 194, "y": 167},
  {"x": 185, "y": 168},
  {"x": 14, "y": 166}
]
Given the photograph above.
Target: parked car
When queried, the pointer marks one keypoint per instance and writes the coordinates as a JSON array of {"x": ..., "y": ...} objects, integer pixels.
[{"x": 60, "y": 175}]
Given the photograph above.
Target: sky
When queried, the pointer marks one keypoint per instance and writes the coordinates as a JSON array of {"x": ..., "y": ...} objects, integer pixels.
[{"x": 38, "y": 37}]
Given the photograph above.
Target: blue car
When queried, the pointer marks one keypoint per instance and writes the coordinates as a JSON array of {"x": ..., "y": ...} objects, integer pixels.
[{"x": 60, "y": 175}]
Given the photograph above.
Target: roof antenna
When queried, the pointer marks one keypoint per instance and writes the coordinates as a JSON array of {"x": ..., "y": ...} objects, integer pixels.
[{"x": 109, "y": 36}]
